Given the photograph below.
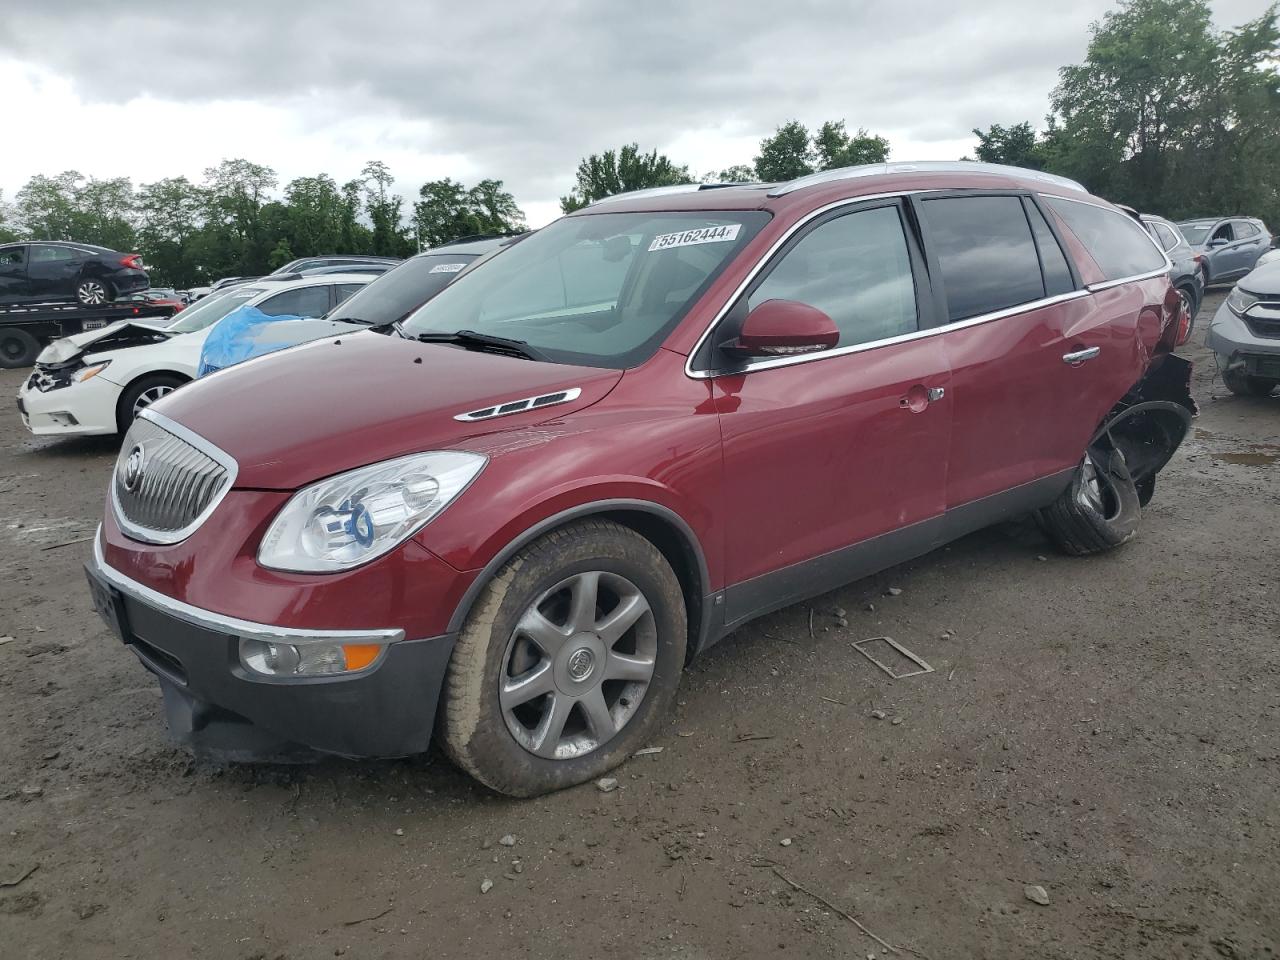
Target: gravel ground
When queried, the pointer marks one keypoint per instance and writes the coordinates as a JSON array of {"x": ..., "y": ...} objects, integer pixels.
[{"x": 1106, "y": 729}]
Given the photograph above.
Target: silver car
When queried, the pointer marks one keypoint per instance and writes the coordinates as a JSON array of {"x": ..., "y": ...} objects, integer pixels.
[
  {"x": 1229, "y": 247},
  {"x": 1245, "y": 333}
]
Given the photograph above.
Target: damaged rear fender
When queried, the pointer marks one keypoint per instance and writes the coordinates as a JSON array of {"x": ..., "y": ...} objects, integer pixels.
[{"x": 1151, "y": 421}]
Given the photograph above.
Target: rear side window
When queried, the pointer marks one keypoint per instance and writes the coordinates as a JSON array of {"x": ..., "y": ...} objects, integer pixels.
[
  {"x": 1121, "y": 248},
  {"x": 1165, "y": 236},
  {"x": 1245, "y": 229},
  {"x": 1057, "y": 275},
  {"x": 305, "y": 302},
  {"x": 51, "y": 254},
  {"x": 985, "y": 251},
  {"x": 856, "y": 269}
]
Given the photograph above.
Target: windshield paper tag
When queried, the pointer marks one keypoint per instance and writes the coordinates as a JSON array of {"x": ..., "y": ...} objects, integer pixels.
[
  {"x": 687, "y": 238},
  {"x": 446, "y": 268}
]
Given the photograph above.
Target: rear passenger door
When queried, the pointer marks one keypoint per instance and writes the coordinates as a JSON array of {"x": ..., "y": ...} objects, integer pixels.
[{"x": 1010, "y": 309}]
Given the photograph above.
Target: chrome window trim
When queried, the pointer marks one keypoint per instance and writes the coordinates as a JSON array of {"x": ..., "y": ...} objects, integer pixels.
[
  {"x": 221, "y": 457},
  {"x": 890, "y": 341},
  {"x": 219, "y": 623}
]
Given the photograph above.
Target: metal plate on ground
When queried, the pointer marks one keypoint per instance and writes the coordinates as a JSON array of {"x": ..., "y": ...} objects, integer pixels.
[{"x": 861, "y": 645}]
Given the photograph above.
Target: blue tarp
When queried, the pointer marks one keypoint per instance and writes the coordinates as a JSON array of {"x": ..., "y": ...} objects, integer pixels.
[{"x": 241, "y": 335}]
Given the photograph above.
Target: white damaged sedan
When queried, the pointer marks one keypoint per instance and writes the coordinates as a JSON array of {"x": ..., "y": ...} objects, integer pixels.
[{"x": 97, "y": 382}]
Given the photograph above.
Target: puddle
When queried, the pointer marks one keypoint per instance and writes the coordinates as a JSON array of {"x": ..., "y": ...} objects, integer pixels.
[{"x": 1247, "y": 459}]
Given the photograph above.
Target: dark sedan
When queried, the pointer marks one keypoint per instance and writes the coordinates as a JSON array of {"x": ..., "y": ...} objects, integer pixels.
[{"x": 46, "y": 271}]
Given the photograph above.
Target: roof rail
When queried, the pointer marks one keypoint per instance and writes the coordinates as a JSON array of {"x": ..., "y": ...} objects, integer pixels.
[
  {"x": 922, "y": 166},
  {"x": 663, "y": 191}
]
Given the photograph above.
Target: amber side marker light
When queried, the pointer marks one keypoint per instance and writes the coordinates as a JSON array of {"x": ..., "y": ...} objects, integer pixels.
[{"x": 360, "y": 655}]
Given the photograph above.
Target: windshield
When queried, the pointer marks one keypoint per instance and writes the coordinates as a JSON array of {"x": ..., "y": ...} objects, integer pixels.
[
  {"x": 392, "y": 296},
  {"x": 1195, "y": 232},
  {"x": 212, "y": 309},
  {"x": 601, "y": 290}
]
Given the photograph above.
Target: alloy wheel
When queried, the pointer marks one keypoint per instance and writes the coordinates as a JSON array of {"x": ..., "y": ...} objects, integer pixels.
[
  {"x": 577, "y": 665},
  {"x": 91, "y": 293},
  {"x": 1096, "y": 491},
  {"x": 149, "y": 396}
]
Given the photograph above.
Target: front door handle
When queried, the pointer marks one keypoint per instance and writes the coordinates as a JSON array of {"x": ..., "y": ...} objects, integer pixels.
[{"x": 1077, "y": 357}]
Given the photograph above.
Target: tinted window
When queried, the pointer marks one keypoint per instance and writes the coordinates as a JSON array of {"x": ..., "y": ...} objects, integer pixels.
[
  {"x": 11, "y": 256},
  {"x": 344, "y": 290},
  {"x": 855, "y": 269},
  {"x": 1120, "y": 247},
  {"x": 1166, "y": 236},
  {"x": 50, "y": 254},
  {"x": 985, "y": 251},
  {"x": 305, "y": 302},
  {"x": 1057, "y": 275},
  {"x": 391, "y": 297}
]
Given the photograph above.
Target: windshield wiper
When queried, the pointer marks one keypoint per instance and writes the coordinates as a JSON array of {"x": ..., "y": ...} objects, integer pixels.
[{"x": 479, "y": 341}]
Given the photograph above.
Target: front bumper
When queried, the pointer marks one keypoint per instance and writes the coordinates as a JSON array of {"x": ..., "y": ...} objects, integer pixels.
[
  {"x": 79, "y": 410},
  {"x": 1240, "y": 348},
  {"x": 221, "y": 711}
]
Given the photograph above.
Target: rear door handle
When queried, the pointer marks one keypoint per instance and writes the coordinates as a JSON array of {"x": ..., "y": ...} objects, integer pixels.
[{"x": 1077, "y": 357}]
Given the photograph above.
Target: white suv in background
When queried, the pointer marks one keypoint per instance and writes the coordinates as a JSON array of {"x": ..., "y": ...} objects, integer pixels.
[{"x": 97, "y": 382}]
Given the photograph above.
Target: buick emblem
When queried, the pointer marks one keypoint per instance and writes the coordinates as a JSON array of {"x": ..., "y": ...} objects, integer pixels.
[
  {"x": 581, "y": 663},
  {"x": 133, "y": 469}
]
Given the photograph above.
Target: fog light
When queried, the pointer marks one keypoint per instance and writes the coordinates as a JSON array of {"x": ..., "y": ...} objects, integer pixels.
[{"x": 274, "y": 659}]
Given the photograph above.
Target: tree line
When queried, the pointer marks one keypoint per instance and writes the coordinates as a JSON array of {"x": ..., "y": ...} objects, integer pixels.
[
  {"x": 1165, "y": 114},
  {"x": 233, "y": 223}
]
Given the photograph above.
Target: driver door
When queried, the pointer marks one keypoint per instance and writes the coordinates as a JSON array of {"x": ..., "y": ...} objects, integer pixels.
[{"x": 835, "y": 463}]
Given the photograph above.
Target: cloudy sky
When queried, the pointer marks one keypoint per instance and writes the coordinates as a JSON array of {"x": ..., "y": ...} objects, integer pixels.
[{"x": 517, "y": 90}]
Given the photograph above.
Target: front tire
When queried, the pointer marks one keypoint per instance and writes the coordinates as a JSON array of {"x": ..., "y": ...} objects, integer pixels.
[
  {"x": 1100, "y": 510},
  {"x": 567, "y": 662},
  {"x": 141, "y": 394}
]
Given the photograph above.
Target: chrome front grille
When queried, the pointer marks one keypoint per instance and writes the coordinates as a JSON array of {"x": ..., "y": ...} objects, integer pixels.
[{"x": 167, "y": 480}]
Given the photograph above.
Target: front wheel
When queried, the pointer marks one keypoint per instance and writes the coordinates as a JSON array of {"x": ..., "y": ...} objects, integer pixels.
[
  {"x": 568, "y": 661},
  {"x": 92, "y": 293},
  {"x": 143, "y": 393},
  {"x": 1101, "y": 509}
]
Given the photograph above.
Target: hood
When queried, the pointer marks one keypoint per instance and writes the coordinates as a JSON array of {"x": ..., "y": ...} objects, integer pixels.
[
  {"x": 1264, "y": 281},
  {"x": 331, "y": 405},
  {"x": 115, "y": 336}
]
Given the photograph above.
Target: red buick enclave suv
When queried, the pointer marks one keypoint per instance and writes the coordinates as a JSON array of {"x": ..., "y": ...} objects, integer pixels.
[{"x": 516, "y": 514}]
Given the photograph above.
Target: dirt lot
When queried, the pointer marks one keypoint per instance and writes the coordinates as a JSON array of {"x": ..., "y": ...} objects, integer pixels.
[{"x": 1108, "y": 729}]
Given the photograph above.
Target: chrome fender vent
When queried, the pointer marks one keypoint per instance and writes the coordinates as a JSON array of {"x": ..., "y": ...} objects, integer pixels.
[{"x": 520, "y": 406}]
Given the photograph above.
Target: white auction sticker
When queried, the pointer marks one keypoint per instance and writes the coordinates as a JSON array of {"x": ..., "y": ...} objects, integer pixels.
[
  {"x": 446, "y": 268},
  {"x": 687, "y": 238}
]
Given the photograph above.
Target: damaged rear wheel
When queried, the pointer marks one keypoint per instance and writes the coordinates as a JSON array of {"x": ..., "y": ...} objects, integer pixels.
[{"x": 1100, "y": 509}]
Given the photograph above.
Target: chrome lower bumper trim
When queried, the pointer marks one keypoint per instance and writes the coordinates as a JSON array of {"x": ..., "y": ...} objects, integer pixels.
[{"x": 218, "y": 623}]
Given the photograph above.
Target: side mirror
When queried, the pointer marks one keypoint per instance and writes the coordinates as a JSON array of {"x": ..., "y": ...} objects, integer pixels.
[
  {"x": 1218, "y": 242},
  {"x": 781, "y": 328}
]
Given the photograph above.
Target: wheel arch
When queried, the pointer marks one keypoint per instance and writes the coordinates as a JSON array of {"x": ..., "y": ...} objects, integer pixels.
[
  {"x": 143, "y": 375},
  {"x": 1153, "y": 418},
  {"x": 660, "y": 525}
]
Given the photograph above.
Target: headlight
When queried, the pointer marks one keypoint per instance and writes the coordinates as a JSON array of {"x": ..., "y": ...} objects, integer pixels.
[
  {"x": 88, "y": 373},
  {"x": 1239, "y": 301},
  {"x": 352, "y": 518}
]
